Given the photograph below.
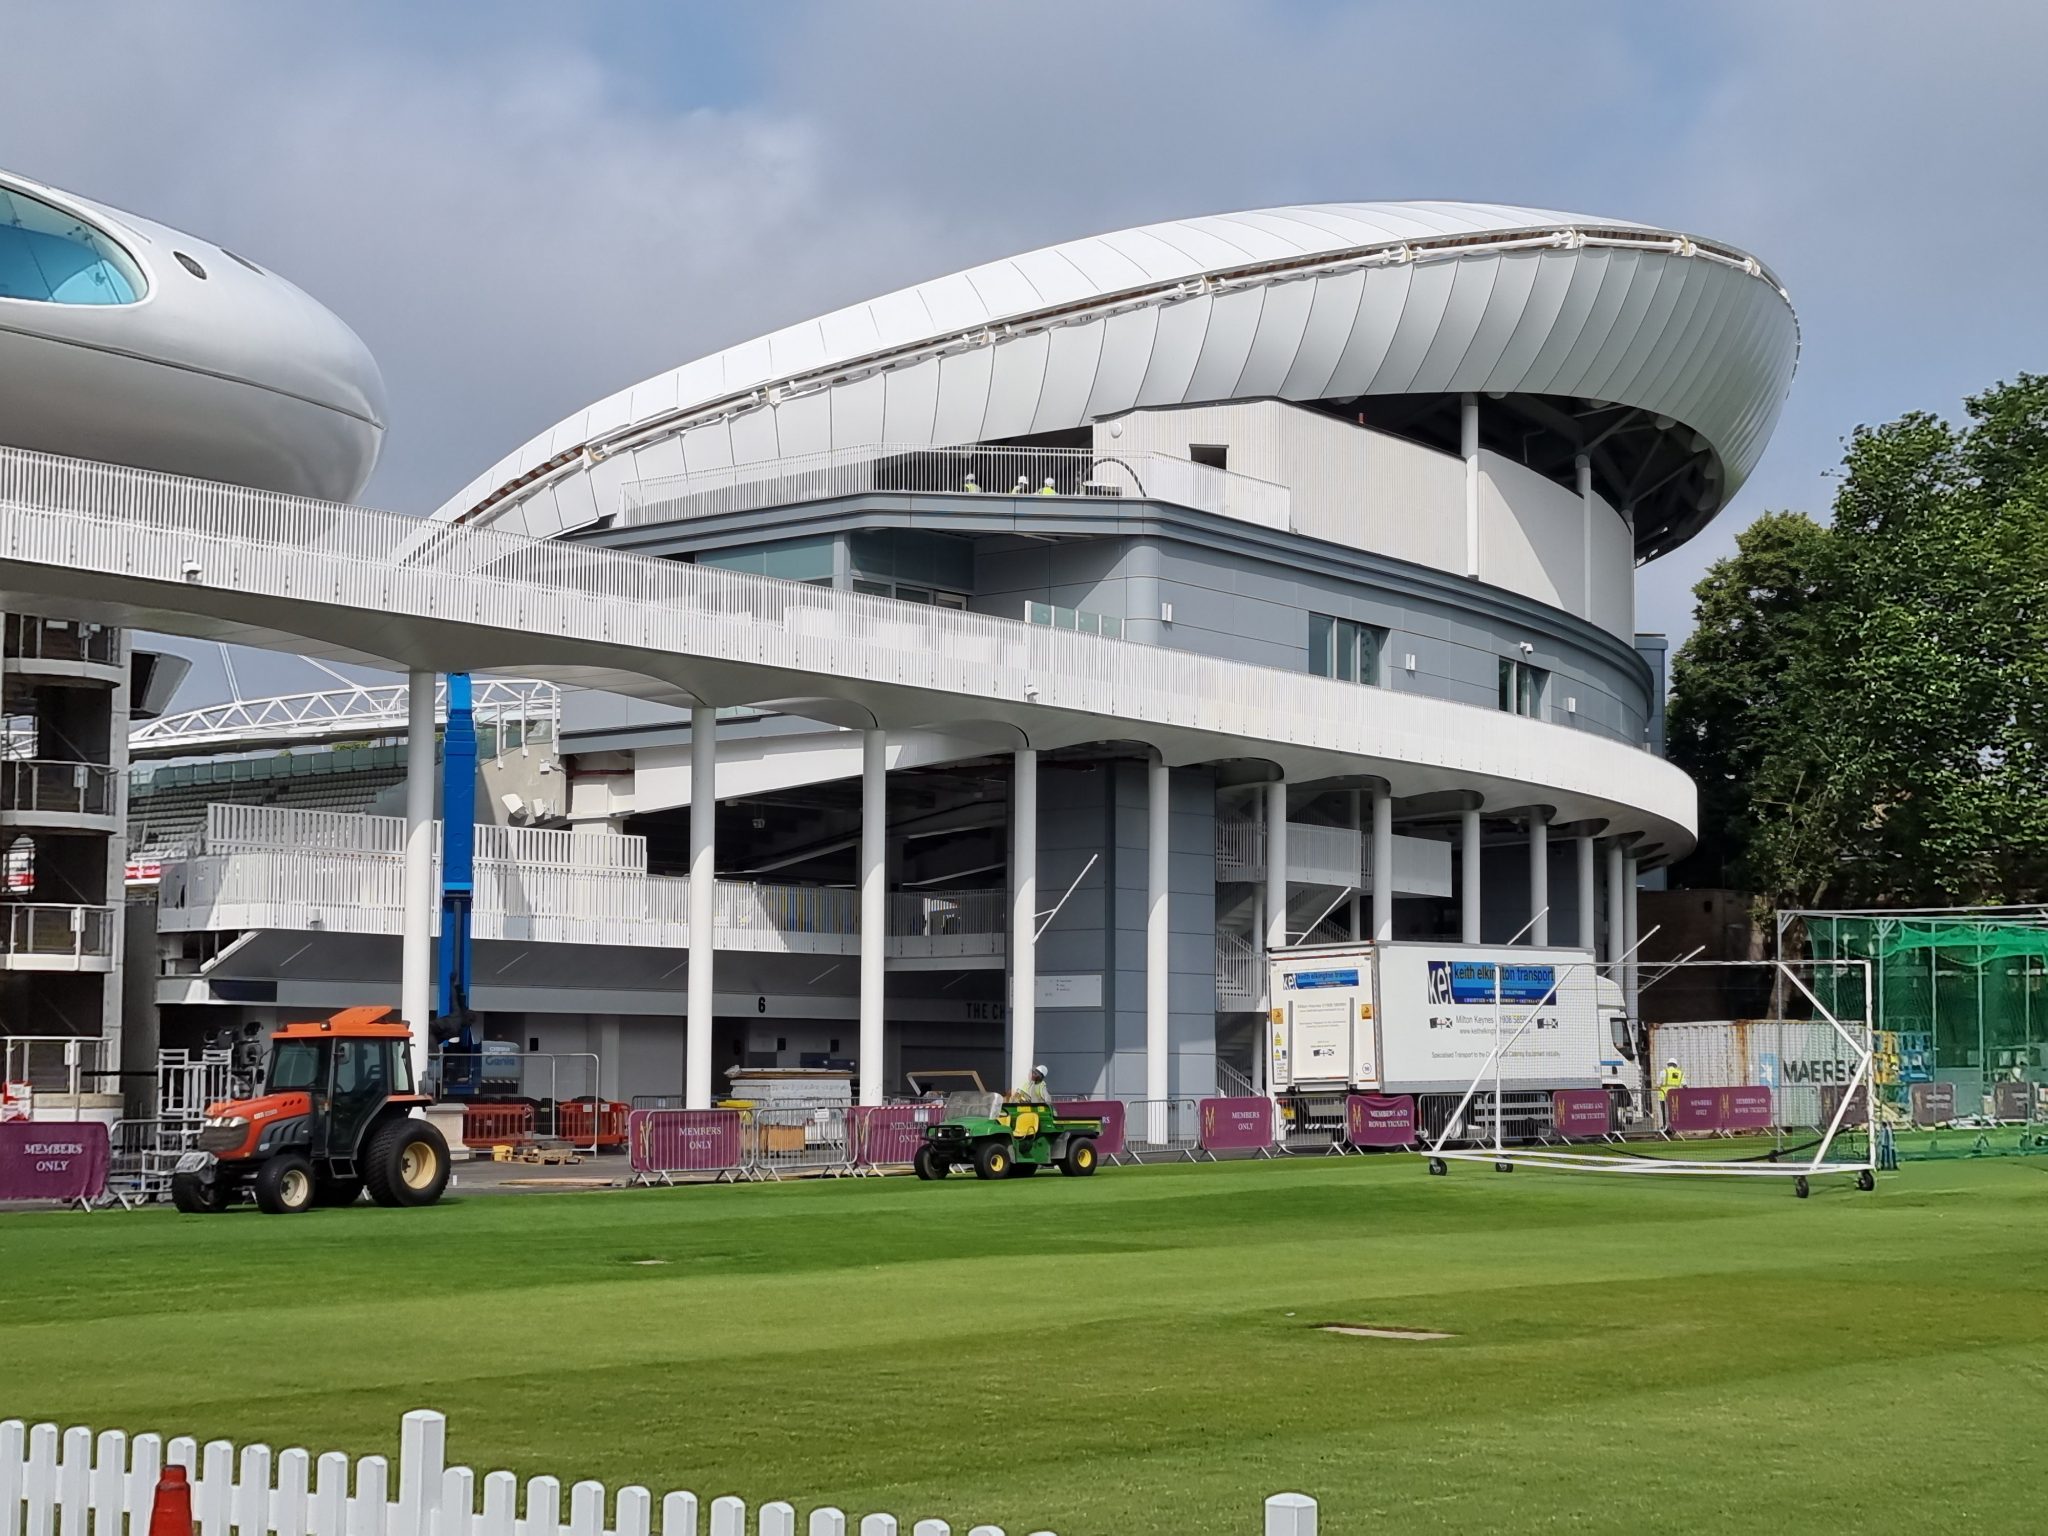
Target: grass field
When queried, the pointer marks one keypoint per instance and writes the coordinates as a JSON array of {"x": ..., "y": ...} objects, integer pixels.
[{"x": 1133, "y": 1353}]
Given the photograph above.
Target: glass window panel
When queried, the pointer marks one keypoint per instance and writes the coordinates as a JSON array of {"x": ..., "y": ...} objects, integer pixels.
[
  {"x": 1319, "y": 627},
  {"x": 913, "y": 595},
  {"x": 1038, "y": 613},
  {"x": 800, "y": 559},
  {"x": 1507, "y": 684},
  {"x": 1065, "y": 618},
  {"x": 871, "y": 588},
  {"x": 1112, "y": 627},
  {"x": 50, "y": 256},
  {"x": 950, "y": 599},
  {"x": 1369, "y": 643},
  {"x": 1347, "y": 651},
  {"x": 752, "y": 559}
]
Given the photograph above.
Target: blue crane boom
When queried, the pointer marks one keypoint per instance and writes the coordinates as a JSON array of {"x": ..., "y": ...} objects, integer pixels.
[{"x": 455, "y": 1020}]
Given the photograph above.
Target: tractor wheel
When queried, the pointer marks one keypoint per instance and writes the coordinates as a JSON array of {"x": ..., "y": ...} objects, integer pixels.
[
  {"x": 1080, "y": 1159},
  {"x": 930, "y": 1165},
  {"x": 405, "y": 1162},
  {"x": 991, "y": 1160},
  {"x": 329, "y": 1190},
  {"x": 284, "y": 1185},
  {"x": 196, "y": 1196}
]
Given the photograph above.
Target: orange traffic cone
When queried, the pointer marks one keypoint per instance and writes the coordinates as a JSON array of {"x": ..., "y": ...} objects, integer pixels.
[{"x": 170, "y": 1514}]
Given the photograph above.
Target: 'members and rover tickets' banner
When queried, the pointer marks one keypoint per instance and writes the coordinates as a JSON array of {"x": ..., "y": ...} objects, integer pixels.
[
  {"x": 46, "y": 1160},
  {"x": 685, "y": 1140},
  {"x": 1581, "y": 1112},
  {"x": 1721, "y": 1109},
  {"x": 1371, "y": 1120},
  {"x": 1236, "y": 1125},
  {"x": 1109, "y": 1111}
]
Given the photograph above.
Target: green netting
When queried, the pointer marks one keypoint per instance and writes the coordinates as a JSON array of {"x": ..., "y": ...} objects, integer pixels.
[{"x": 1961, "y": 1008}]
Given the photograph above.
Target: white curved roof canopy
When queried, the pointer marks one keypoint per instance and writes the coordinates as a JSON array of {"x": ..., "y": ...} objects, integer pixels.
[{"x": 1338, "y": 303}]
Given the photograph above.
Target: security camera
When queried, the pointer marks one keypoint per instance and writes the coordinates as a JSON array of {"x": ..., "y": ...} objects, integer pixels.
[{"x": 1527, "y": 648}]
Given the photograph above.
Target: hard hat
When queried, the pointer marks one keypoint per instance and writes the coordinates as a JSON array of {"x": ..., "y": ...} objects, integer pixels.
[
  {"x": 1672, "y": 1062},
  {"x": 1048, "y": 479},
  {"x": 1040, "y": 1070}
]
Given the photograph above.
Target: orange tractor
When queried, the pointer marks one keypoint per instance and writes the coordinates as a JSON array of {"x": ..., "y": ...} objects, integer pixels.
[{"x": 335, "y": 1119}]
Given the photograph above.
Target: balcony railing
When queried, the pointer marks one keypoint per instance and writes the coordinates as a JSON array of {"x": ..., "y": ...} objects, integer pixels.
[
  {"x": 1051, "y": 473},
  {"x": 1237, "y": 970},
  {"x": 52, "y": 931},
  {"x": 36, "y": 639},
  {"x": 77, "y": 789}
]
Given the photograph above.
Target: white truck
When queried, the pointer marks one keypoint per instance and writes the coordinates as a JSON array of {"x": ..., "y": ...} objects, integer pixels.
[{"x": 1423, "y": 1018}]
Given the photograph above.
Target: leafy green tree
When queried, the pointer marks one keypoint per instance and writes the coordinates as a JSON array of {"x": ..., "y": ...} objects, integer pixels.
[{"x": 1865, "y": 705}]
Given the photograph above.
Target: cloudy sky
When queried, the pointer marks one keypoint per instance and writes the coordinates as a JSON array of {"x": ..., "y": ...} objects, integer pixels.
[{"x": 522, "y": 207}]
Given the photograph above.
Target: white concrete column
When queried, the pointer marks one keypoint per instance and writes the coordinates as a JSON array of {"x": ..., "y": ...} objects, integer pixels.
[
  {"x": 1634, "y": 933},
  {"x": 1539, "y": 881},
  {"x": 1468, "y": 445},
  {"x": 703, "y": 905},
  {"x": 1023, "y": 915},
  {"x": 1584, "y": 466},
  {"x": 1617, "y": 903},
  {"x": 1382, "y": 867},
  {"x": 416, "y": 962},
  {"x": 1276, "y": 864},
  {"x": 1589, "y": 888},
  {"x": 1357, "y": 901},
  {"x": 874, "y": 907},
  {"x": 1468, "y": 875},
  {"x": 1158, "y": 929}
]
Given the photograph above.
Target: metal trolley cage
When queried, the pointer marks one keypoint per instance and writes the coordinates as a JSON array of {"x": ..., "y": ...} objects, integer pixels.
[{"x": 1854, "y": 1035}]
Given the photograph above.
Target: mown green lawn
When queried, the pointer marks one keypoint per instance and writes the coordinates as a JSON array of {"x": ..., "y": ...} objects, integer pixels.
[{"x": 1132, "y": 1353}]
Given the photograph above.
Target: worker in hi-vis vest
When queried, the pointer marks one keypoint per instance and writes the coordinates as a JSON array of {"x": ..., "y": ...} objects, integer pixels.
[
  {"x": 1673, "y": 1076},
  {"x": 1036, "y": 1091}
]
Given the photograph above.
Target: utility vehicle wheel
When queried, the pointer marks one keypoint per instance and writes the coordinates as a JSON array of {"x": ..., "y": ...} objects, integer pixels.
[
  {"x": 930, "y": 1165},
  {"x": 1800, "y": 1187},
  {"x": 284, "y": 1185},
  {"x": 196, "y": 1196},
  {"x": 991, "y": 1160},
  {"x": 1080, "y": 1159},
  {"x": 333, "y": 1191},
  {"x": 405, "y": 1163},
  {"x": 1866, "y": 1180},
  {"x": 1438, "y": 1167}
]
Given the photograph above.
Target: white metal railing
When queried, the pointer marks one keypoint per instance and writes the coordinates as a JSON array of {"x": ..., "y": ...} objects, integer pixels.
[
  {"x": 71, "y": 789},
  {"x": 216, "y": 551},
  {"x": 229, "y": 828},
  {"x": 31, "y": 638},
  {"x": 979, "y": 469},
  {"x": 1316, "y": 855},
  {"x": 65, "y": 1480},
  {"x": 1240, "y": 847},
  {"x": 50, "y": 931},
  {"x": 1237, "y": 968},
  {"x": 949, "y": 914},
  {"x": 370, "y": 709}
]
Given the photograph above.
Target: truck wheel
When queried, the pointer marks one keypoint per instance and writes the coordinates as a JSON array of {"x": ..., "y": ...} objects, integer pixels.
[
  {"x": 405, "y": 1163},
  {"x": 991, "y": 1160},
  {"x": 930, "y": 1165},
  {"x": 332, "y": 1191},
  {"x": 1080, "y": 1159},
  {"x": 196, "y": 1196},
  {"x": 284, "y": 1185}
]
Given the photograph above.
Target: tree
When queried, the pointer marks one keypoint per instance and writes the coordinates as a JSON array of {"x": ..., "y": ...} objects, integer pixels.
[{"x": 1865, "y": 705}]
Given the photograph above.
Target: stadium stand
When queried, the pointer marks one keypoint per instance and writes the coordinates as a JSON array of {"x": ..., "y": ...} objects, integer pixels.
[{"x": 167, "y": 804}]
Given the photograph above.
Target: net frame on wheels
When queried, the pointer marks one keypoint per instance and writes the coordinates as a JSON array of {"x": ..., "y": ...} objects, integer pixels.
[{"x": 1603, "y": 1159}]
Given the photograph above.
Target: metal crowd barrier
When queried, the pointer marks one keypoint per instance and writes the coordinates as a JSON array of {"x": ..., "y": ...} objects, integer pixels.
[
  {"x": 796, "y": 1140},
  {"x": 887, "y": 1135},
  {"x": 1312, "y": 1123},
  {"x": 487, "y": 1125},
  {"x": 138, "y": 1166},
  {"x": 1164, "y": 1128}
]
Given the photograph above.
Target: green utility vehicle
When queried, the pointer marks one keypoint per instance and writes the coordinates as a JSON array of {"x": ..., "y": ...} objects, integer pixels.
[{"x": 1001, "y": 1141}]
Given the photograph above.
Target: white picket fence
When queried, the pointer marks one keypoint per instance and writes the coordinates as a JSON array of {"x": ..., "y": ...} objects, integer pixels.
[{"x": 80, "y": 1484}]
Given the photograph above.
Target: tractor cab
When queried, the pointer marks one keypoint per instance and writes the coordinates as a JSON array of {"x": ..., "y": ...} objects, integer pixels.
[{"x": 334, "y": 1119}]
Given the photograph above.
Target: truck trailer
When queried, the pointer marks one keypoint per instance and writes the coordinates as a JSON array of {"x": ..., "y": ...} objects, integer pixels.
[{"x": 1422, "y": 1018}]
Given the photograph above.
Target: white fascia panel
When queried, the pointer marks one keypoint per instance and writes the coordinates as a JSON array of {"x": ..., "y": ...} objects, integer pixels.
[
  {"x": 1160, "y": 262},
  {"x": 748, "y": 365},
  {"x": 1106, "y": 268},
  {"x": 963, "y": 395},
  {"x": 575, "y": 502},
  {"x": 606, "y": 480},
  {"x": 909, "y": 398},
  {"x": 1054, "y": 278},
  {"x": 610, "y": 414},
  {"x": 755, "y": 437},
  {"x": 1277, "y": 342},
  {"x": 1235, "y": 241},
  {"x": 1670, "y": 274},
  {"x": 708, "y": 447},
  {"x": 900, "y": 319},
  {"x": 699, "y": 381},
  {"x": 1532, "y": 328},
  {"x": 857, "y": 413},
  {"x": 1015, "y": 385},
  {"x": 1641, "y": 271},
  {"x": 797, "y": 349},
  {"x": 1071, "y": 360},
  {"x": 661, "y": 460},
  {"x": 1352, "y": 224},
  {"x": 654, "y": 397},
  {"x": 1003, "y": 289},
  {"x": 1575, "y": 375},
  {"x": 1233, "y": 322},
  {"x": 1176, "y": 345},
  {"x": 1429, "y": 294},
  {"x": 535, "y": 515},
  {"x": 803, "y": 425},
  {"x": 851, "y": 332},
  {"x": 1372, "y": 331},
  {"x": 1589, "y": 269},
  {"x": 1514, "y": 274},
  {"x": 1471, "y": 292},
  {"x": 1333, "y": 309},
  {"x": 1269, "y": 234},
  {"x": 954, "y": 305},
  {"x": 1126, "y": 349},
  {"x": 1686, "y": 278}
]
